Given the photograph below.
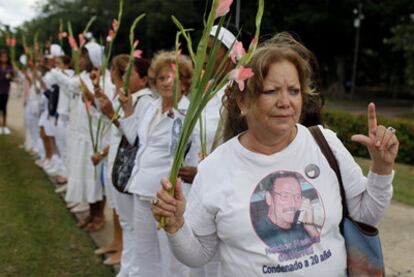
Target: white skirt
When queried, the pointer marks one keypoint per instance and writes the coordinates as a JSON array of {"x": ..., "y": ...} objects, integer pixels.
[
  {"x": 84, "y": 179},
  {"x": 48, "y": 123}
]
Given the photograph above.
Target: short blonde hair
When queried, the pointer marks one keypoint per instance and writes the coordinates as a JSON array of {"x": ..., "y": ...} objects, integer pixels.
[{"x": 165, "y": 58}]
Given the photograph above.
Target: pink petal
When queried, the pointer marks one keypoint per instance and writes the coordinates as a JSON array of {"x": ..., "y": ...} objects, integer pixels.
[
  {"x": 64, "y": 34},
  {"x": 82, "y": 40},
  {"x": 237, "y": 51},
  {"x": 72, "y": 43},
  {"x": 88, "y": 105},
  {"x": 110, "y": 36},
  {"x": 208, "y": 86},
  {"x": 245, "y": 73},
  {"x": 172, "y": 72},
  {"x": 223, "y": 7},
  {"x": 136, "y": 43},
  {"x": 241, "y": 84},
  {"x": 114, "y": 24},
  {"x": 13, "y": 42},
  {"x": 240, "y": 75},
  {"x": 138, "y": 54},
  {"x": 253, "y": 42}
]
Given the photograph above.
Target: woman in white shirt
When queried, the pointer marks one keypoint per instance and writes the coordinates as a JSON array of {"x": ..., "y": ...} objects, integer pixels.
[
  {"x": 85, "y": 182},
  {"x": 158, "y": 129},
  {"x": 267, "y": 198},
  {"x": 122, "y": 203}
]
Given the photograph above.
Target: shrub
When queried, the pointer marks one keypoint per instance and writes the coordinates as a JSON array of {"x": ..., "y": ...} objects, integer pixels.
[{"x": 346, "y": 125}]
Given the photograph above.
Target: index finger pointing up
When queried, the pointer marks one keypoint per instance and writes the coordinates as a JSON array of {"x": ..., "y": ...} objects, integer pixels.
[{"x": 372, "y": 119}]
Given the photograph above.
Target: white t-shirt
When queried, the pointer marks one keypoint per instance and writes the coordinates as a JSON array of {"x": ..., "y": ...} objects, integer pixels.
[
  {"x": 62, "y": 78},
  {"x": 228, "y": 199}
]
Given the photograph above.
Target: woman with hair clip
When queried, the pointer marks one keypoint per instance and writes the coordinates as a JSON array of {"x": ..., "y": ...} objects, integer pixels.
[{"x": 267, "y": 198}]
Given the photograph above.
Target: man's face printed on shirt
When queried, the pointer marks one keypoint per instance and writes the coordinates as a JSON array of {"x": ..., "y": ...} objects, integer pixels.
[{"x": 285, "y": 201}]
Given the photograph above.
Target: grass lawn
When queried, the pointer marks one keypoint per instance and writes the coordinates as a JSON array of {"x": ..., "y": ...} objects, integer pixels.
[
  {"x": 407, "y": 115},
  {"x": 38, "y": 236},
  {"x": 403, "y": 181}
]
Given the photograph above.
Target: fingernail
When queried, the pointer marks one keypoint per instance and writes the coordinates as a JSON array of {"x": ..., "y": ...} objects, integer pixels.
[{"x": 378, "y": 143}]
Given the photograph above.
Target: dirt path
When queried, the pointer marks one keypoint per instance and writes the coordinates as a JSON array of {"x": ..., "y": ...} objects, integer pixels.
[{"x": 396, "y": 229}]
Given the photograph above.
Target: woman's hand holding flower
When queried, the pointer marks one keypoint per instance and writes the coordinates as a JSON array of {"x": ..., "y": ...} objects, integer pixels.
[{"x": 171, "y": 207}]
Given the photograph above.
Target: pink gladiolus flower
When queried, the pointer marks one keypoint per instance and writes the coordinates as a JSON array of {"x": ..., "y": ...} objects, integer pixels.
[
  {"x": 110, "y": 36},
  {"x": 138, "y": 54},
  {"x": 172, "y": 72},
  {"x": 237, "y": 52},
  {"x": 62, "y": 35},
  {"x": 82, "y": 40},
  {"x": 223, "y": 7},
  {"x": 114, "y": 24},
  {"x": 72, "y": 43},
  {"x": 240, "y": 75},
  {"x": 136, "y": 43},
  {"x": 12, "y": 42},
  {"x": 88, "y": 105},
  {"x": 253, "y": 42},
  {"x": 208, "y": 86}
]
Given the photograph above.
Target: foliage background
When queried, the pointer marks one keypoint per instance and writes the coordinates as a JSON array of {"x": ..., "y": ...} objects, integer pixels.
[{"x": 386, "y": 56}]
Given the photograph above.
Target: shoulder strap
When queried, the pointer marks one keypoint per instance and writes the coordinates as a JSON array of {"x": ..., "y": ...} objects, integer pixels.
[{"x": 330, "y": 157}]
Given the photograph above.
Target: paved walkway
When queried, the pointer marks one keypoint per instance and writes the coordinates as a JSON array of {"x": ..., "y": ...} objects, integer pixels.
[{"x": 396, "y": 229}]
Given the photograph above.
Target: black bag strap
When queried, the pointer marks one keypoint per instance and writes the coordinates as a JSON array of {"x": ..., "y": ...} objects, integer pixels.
[
  {"x": 330, "y": 157},
  {"x": 124, "y": 141}
]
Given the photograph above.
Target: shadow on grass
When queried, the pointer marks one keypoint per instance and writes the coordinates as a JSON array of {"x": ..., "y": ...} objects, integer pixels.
[{"x": 38, "y": 236}]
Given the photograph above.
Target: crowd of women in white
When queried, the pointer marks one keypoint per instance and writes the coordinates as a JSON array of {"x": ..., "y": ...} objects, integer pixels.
[{"x": 148, "y": 116}]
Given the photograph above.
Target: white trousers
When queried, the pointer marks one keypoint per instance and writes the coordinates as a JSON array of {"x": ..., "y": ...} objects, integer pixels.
[
  {"x": 32, "y": 125},
  {"x": 61, "y": 136},
  {"x": 152, "y": 254},
  {"x": 127, "y": 259}
]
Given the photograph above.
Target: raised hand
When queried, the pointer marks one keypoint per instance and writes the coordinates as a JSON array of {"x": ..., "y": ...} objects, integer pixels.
[
  {"x": 95, "y": 76},
  {"x": 381, "y": 142},
  {"x": 126, "y": 102},
  {"x": 86, "y": 92},
  {"x": 171, "y": 207},
  {"x": 96, "y": 159}
]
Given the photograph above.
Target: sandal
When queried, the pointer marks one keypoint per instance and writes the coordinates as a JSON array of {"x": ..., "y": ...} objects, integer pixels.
[
  {"x": 110, "y": 248},
  {"x": 95, "y": 225},
  {"x": 84, "y": 222}
]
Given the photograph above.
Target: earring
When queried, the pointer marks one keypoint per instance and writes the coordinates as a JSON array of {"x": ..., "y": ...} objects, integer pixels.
[{"x": 243, "y": 113}]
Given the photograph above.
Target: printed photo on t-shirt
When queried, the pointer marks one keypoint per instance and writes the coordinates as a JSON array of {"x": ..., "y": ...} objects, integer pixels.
[
  {"x": 175, "y": 134},
  {"x": 287, "y": 214}
]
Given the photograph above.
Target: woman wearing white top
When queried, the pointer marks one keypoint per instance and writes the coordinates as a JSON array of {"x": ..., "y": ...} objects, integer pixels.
[
  {"x": 247, "y": 194},
  {"x": 158, "y": 129},
  {"x": 122, "y": 203},
  {"x": 83, "y": 185},
  {"x": 62, "y": 75}
]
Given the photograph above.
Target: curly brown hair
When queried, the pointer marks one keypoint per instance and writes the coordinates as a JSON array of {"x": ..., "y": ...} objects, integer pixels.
[
  {"x": 163, "y": 58},
  {"x": 273, "y": 51}
]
